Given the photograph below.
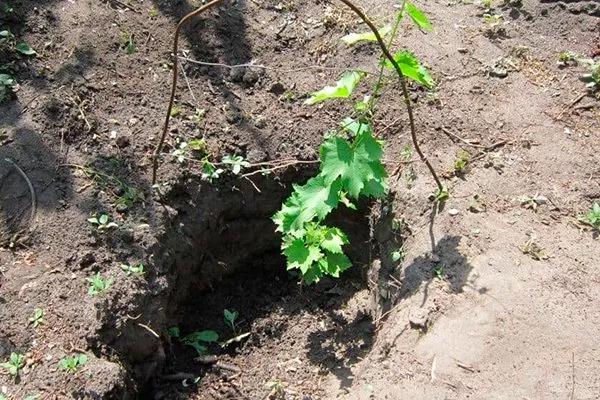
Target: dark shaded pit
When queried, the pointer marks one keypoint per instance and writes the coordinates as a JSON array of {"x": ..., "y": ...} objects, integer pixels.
[{"x": 220, "y": 251}]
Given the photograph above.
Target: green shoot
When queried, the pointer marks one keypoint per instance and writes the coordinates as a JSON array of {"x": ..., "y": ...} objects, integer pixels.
[
  {"x": 102, "y": 222},
  {"x": 277, "y": 387},
  {"x": 38, "y": 317},
  {"x": 460, "y": 165},
  {"x": 438, "y": 271},
  {"x": 174, "y": 332},
  {"x": 176, "y": 111},
  {"x": 443, "y": 194},
  {"x": 72, "y": 363},
  {"x": 14, "y": 364},
  {"x": 128, "y": 198},
  {"x": 210, "y": 172},
  {"x": 153, "y": 12},
  {"x": 137, "y": 270},
  {"x": 230, "y": 317},
  {"x": 398, "y": 255},
  {"x": 236, "y": 163},
  {"x": 198, "y": 116},
  {"x": 200, "y": 340},
  {"x": 98, "y": 285},
  {"x": 592, "y": 218}
]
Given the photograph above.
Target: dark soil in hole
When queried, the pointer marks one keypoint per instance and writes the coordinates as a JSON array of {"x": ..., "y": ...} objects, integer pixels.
[
  {"x": 223, "y": 256},
  {"x": 273, "y": 308}
]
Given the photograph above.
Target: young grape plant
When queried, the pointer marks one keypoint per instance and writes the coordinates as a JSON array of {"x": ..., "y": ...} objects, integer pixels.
[{"x": 350, "y": 163}]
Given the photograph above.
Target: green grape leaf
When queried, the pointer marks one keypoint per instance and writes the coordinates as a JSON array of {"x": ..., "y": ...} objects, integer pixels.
[
  {"x": 333, "y": 240},
  {"x": 336, "y": 263},
  {"x": 418, "y": 17},
  {"x": 301, "y": 255},
  {"x": 342, "y": 89},
  {"x": 24, "y": 48},
  {"x": 313, "y": 199},
  {"x": 358, "y": 165},
  {"x": 412, "y": 68},
  {"x": 369, "y": 36}
]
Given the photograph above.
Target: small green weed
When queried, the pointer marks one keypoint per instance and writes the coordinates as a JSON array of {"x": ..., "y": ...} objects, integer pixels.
[
  {"x": 591, "y": 78},
  {"x": 236, "y": 163},
  {"x": 98, "y": 285},
  {"x": 496, "y": 26},
  {"x": 174, "y": 332},
  {"x": 72, "y": 363},
  {"x": 209, "y": 171},
  {"x": 127, "y": 42},
  {"x": 102, "y": 222},
  {"x": 398, "y": 255},
  {"x": 438, "y": 271},
  {"x": 200, "y": 340},
  {"x": 128, "y": 198},
  {"x": 176, "y": 111},
  {"x": 230, "y": 316},
  {"x": 567, "y": 58},
  {"x": 277, "y": 387},
  {"x": 533, "y": 202},
  {"x": 442, "y": 194},
  {"x": 198, "y": 116},
  {"x": 38, "y": 317},
  {"x": 153, "y": 12},
  {"x": 592, "y": 218},
  {"x": 460, "y": 165},
  {"x": 137, "y": 270},
  {"x": 14, "y": 364}
]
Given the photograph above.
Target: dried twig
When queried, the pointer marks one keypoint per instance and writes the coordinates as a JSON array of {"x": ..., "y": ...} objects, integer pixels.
[
  {"x": 31, "y": 192},
  {"x": 454, "y": 136},
  {"x": 163, "y": 135}
]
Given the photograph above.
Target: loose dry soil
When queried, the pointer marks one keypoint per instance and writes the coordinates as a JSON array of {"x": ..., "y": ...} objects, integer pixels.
[{"x": 491, "y": 299}]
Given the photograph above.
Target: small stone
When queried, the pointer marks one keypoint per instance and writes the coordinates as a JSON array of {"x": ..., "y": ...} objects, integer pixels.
[
  {"x": 260, "y": 121},
  {"x": 435, "y": 258},
  {"x": 462, "y": 50},
  {"x": 453, "y": 211},
  {"x": 133, "y": 121},
  {"x": 419, "y": 319},
  {"x": 498, "y": 72},
  {"x": 123, "y": 141}
]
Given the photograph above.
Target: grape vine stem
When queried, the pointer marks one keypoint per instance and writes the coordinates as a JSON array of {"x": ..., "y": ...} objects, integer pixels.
[
  {"x": 402, "y": 79},
  {"x": 384, "y": 50}
]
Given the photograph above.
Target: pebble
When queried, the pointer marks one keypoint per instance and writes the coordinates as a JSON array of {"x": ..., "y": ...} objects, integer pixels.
[
  {"x": 453, "y": 211},
  {"x": 498, "y": 72}
]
